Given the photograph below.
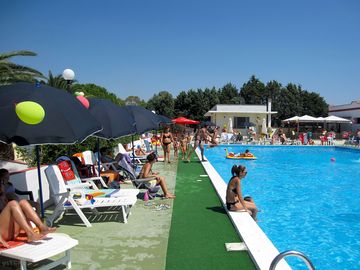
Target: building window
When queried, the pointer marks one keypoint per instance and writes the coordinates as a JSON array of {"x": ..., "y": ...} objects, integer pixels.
[{"x": 241, "y": 122}]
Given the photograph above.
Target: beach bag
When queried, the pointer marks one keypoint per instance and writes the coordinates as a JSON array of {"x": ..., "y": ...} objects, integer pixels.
[
  {"x": 152, "y": 192},
  {"x": 66, "y": 170}
]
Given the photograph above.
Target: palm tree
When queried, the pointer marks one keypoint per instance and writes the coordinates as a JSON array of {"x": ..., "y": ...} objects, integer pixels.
[
  {"x": 11, "y": 72},
  {"x": 56, "y": 81}
]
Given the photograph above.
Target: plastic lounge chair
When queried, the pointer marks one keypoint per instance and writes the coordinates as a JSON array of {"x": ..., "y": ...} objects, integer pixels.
[
  {"x": 128, "y": 172},
  {"x": 137, "y": 159},
  {"x": 90, "y": 185},
  {"x": 331, "y": 138},
  {"x": 148, "y": 146},
  {"x": 51, "y": 245},
  {"x": 63, "y": 195}
]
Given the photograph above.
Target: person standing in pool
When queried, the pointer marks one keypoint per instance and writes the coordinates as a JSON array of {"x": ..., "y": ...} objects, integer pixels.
[{"x": 234, "y": 199}]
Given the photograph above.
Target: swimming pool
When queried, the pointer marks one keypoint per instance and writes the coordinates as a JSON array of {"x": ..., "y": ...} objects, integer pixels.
[{"x": 309, "y": 203}]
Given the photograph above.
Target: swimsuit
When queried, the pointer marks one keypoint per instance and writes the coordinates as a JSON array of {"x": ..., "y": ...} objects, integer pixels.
[
  {"x": 229, "y": 204},
  {"x": 166, "y": 137}
]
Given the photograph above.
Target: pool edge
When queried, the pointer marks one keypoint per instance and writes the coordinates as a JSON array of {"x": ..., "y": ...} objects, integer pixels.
[{"x": 261, "y": 249}]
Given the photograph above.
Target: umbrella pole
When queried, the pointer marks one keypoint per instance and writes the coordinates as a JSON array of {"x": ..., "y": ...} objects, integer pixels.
[
  {"x": 39, "y": 178},
  {"x": 156, "y": 152},
  {"x": 98, "y": 155},
  {"x": 133, "y": 151}
]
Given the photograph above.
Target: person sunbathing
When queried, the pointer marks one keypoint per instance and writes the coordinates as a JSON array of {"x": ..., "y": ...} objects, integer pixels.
[
  {"x": 16, "y": 215},
  {"x": 112, "y": 175},
  {"x": 11, "y": 192},
  {"x": 139, "y": 151},
  {"x": 146, "y": 172},
  {"x": 247, "y": 154}
]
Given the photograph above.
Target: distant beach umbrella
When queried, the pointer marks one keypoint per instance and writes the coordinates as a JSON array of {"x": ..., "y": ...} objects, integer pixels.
[
  {"x": 184, "y": 121},
  {"x": 230, "y": 125},
  {"x": 263, "y": 127}
]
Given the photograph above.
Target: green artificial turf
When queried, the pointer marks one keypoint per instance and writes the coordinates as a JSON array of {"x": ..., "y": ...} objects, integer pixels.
[{"x": 200, "y": 227}]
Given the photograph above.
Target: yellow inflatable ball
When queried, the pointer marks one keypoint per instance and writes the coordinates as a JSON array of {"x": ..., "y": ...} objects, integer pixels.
[{"x": 30, "y": 112}]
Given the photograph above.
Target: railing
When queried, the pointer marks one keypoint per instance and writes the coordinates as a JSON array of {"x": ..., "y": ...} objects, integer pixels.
[{"x": 284, "y": 254}]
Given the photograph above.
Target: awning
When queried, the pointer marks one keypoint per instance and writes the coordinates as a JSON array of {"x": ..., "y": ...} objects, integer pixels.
[{"x": 336, "y": 119}]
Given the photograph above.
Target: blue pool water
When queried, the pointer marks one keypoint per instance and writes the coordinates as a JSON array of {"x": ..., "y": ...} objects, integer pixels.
[{"x": 308, "y": 202}]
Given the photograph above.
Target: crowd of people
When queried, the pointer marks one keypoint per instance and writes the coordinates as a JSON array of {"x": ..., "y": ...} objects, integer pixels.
[{"x": 16, "y": 214}]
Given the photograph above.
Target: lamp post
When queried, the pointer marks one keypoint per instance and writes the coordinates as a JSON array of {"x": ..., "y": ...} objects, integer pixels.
[{"x": 68, "y": 75}]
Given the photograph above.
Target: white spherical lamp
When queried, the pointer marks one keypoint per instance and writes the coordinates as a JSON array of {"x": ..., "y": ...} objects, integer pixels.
[{"x": 68, "y": 74}]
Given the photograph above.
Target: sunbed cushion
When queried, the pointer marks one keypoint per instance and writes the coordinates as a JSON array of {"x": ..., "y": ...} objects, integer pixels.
[{"x": 66, "y": 170}]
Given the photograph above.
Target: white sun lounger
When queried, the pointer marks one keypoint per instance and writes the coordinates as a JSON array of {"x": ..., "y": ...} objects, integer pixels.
[
  {"x": 63, "y": 198},
  {"x": 51, "y": 245}
]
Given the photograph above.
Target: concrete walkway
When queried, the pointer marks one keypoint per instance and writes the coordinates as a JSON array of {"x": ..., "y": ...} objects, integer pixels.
[{"x": 111, "y": 244}]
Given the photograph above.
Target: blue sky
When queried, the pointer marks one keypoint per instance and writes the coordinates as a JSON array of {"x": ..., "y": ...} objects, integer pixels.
[{"x": 143, "y": 47}]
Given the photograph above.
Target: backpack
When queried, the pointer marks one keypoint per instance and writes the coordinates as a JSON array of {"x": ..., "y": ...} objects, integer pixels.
[{"x": 66, "y": 170}]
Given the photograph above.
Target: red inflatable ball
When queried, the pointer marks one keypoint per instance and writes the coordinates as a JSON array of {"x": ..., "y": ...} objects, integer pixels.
[
  {"x": 84, "y": 101},
  {"x": 332, "y": 159}
]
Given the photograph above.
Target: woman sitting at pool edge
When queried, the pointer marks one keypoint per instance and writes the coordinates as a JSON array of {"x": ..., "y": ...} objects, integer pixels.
[{"x": 234, "y": 199}]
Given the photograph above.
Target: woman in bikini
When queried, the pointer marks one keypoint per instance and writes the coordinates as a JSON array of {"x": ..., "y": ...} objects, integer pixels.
[
  {"x": 166, "y": 140},
  {"x": 234, "y": 199},
  {"x": 15, "y": 215},
  {"x": 146, "y": 172}
]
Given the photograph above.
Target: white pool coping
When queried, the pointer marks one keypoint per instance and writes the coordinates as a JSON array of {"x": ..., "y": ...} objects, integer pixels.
[{"x": 260, "y": 248}]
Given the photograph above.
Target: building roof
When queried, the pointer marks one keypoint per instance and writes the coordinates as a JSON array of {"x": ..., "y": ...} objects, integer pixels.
[
  {"x": 238, "y": 108},
  {"x": 354, "y": 105}
]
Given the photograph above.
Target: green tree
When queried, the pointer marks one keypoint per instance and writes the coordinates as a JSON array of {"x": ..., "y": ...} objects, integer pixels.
[
  {"x": 253, "y": 91},
  {"x": 197, "y": 104},
  {"x": 273, "y": 91},
  {"x": 56, "y": 81},
  {"x": 212, "y": 97},
  {"x": 181, "y": 105},
  {"x": 293, "y": 100},
  {"x": 11, "y": 72},
  {"x": 135, "y": 100},
  {"x": 93, "y": 90},
  {"x": 229, "y": 94},
  {"x": 162, "y": 103},
  {"x": 314, "y": 104}
]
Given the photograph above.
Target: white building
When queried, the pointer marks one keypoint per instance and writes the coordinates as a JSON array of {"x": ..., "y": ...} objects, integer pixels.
[
  {"x": 241, "y": 116},
  {"x": 349, "y": 111}
]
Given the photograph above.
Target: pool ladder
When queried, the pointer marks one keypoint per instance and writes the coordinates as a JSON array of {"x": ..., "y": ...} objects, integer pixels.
[{"x": 295, "y": 253}]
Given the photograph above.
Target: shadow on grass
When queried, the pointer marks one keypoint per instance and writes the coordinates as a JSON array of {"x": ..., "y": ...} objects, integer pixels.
[{"x": 218, "y": 209}]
